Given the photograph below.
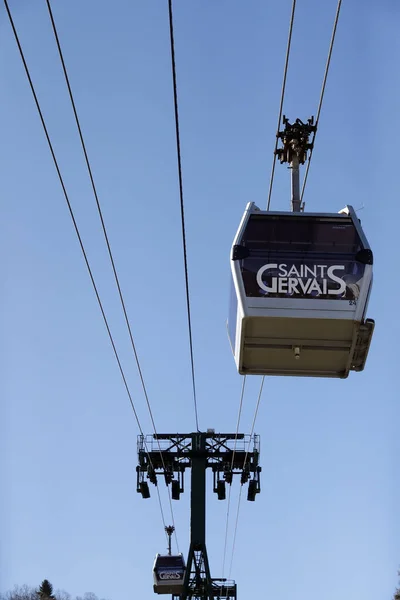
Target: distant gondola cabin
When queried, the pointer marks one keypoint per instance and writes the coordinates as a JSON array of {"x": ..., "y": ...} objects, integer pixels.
[
  {"x": 300, "y": 289},
  {"x": 169, "y": 574}
]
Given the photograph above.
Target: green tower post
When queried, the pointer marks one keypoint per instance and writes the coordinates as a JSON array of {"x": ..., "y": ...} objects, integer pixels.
[{"x": 227, "y": 454}]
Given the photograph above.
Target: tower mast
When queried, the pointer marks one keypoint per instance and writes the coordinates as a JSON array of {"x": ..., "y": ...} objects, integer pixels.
[{"x": 227, "y": 454}]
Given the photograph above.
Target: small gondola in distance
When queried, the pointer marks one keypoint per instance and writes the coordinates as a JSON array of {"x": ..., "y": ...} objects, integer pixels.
[{"x": 169, "y": 574}]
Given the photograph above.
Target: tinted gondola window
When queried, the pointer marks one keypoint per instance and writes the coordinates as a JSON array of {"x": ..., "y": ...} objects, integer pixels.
[
  {"x": 170, "y": 562},
  {"x": 306, "y": 257},
  {"x": 307, "y": 234}
]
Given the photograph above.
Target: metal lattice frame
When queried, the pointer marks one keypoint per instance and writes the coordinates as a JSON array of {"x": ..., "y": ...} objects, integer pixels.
[{"x": 227, "y": 454}]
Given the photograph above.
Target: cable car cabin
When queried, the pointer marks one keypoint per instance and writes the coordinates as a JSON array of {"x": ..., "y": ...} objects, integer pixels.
[
  {"x": 301, "y": 284},
  {"x": 169, "y": 574}
]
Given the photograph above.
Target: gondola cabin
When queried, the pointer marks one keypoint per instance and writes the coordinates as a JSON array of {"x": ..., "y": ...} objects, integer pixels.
[
  {"x": 300, "y": 289},
  {"x": 169, "y": 574}
]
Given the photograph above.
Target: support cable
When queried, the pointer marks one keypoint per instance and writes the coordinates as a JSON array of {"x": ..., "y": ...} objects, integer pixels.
[
  {"x": 302, "y": 191},
  {"x": 244, "y": 464},
  {"x": 110, "y": 254},
  {"x": 178, "y": 148},
  {"x": 230, "y": 487},
  {"x": 281, "y": 102},
  {"x": 328, "y": 62},
  {"x": 78, "y": 236}
]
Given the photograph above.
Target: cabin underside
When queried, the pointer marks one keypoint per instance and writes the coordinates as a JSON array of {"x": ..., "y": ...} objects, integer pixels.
[{"x": 303, "y": 346}]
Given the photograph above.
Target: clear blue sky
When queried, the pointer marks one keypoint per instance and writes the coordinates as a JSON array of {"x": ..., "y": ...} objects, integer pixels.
[{"x": 326, "y": 525}]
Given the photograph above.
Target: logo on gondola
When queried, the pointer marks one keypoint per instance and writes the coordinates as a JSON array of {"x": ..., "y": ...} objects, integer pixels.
[
  {"x": 170, "y": 575},
  {"x": 302, "y": 279}
]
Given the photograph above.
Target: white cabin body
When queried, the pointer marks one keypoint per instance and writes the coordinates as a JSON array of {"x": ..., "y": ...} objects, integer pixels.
[{"x": 300, "y": 289}]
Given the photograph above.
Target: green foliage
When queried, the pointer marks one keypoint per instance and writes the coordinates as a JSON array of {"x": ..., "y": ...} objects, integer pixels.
[
  {"x": 397, "y": 592},
  {"x": 45, "y": 591}
]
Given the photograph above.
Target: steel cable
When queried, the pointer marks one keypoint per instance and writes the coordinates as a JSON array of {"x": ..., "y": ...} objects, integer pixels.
[
  {"x": 110, "y": 254},
  {"x": 328, "y": 62},
  {"x": 230, "y": 487},
  {"x": 282, "y": 99},
  {"x": 178, "y": 149},
  {"x": 79, "y": 238},
  {"x": 244, "y": 464},
  {"x": 285, "y": 71}
]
